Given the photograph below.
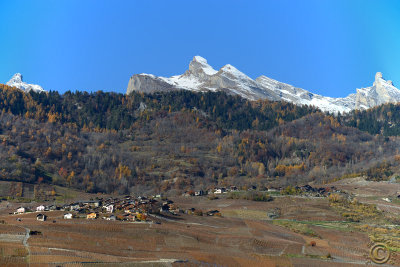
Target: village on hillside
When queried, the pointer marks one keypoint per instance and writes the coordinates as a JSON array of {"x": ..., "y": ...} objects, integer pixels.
[
  {"x": 146, "y": 209},
  {"x": 128, "y": 208}
]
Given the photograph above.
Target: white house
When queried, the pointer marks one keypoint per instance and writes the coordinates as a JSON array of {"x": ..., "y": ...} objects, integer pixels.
[
  {"x": 219, "y": 190},
  {"x": 199, "y": 193},
  {"x": 41, "y": 217},
  {"x": 74, "y": 206},
  {"x": 40, "y": 208},
  {"x": 111, "y": 218},
  {"x": 109, "y": 208},
  {"x": 68, "y": 216},
  {"x": 233, "y": 188},
  {"x": 21, "y": 210}
]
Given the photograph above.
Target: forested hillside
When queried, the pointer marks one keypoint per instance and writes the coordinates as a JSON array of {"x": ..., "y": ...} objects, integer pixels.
[
  {"x": 384, "y": 119},
  {"x": 176, "y": 141},
  {"x": 119, "y": 111}
]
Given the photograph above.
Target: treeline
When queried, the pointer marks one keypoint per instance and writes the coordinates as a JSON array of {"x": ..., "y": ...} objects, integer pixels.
[
  {"x": 118, "y": 111},
  {"x": 383, "y": 119}
]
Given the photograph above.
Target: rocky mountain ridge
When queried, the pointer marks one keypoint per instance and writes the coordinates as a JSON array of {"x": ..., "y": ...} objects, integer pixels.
[{"x": 202, "y": 77}]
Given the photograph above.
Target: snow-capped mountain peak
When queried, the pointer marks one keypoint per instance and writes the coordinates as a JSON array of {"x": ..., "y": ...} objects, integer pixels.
[
  {"x": 200, "y": 60},
  {"x": 200, "y": 67},
  {"x": 228, "y": 68},
  {"x": 16, "y": 78},
  {"x": 202, "y": 77},
  {"x": 17, "y": 81}
]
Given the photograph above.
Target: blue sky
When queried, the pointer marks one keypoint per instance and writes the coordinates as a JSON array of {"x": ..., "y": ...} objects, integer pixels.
[{"x": 327, "y": 47}]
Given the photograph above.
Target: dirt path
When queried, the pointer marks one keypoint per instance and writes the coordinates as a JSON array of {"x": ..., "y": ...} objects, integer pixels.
[
  {"x": 25, "y": 242},
  {"x": 166, "y": 262},
  {"x": 389, "y": 208},
  {"x": 192, "y": 223}
]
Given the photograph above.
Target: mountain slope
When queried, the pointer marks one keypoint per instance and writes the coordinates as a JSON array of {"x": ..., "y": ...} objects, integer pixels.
[
  {"x": 108, "y": 142},
  {"x": 300, "y": 96},
  {"x": 16, "y": 81},
  {"x": 202, "y": 77},
  {"x": 60, "y": 139}
]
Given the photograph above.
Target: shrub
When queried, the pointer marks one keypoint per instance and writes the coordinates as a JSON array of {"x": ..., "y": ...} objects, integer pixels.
[
  {"x": 335, "y": 198},
  {"x": 234, "y": 195},
  {"x": 290, "y": 190},
  {"x": 250, "y": 195},
  {"x": 198, "y": 213},
  {"x": 258, "y": 196}
]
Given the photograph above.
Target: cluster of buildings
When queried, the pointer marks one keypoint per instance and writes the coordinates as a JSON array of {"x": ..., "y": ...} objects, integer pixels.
[
  {"x": 224, "y": 190},
  {"x": 127, "y": 208},
  {"x": 217, "y": 190}
]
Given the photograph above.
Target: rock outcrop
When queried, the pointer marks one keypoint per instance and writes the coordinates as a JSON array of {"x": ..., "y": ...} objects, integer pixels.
[{"x": 380, "y": 92}]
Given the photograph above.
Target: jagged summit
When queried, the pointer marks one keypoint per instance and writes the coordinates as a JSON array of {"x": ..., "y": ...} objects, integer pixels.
[
  {"x": 378, "y": 76},
  {"x": 228, "y": 68},
  {"x": 200, "y": 68},
  {"x": 16, "y": 78},
  {"x": 380, "y": 92},
  {"x": 200, "y": 63},
  {"x": 17, "y": 81},
  {"x": 202, "y": 77},
  {"x": 379, "y": 80}
]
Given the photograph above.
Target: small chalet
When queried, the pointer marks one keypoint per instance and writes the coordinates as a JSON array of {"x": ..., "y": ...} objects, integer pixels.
[
  {"x": 164, "y": 208},
  {"x": 109, "y": 208},
  {"x": 111, "y": 218},
  {"x": 213, "y": 213},
  {"x": 74, "y": 206},
  {"x": 91, "y": 216},
  {"x": 41, "y": 217},
  {"x": 40, "y": 208},
  {"x": 21, "y": 210},
  {"x": 91, "y": 203},
  {"x": 68, "y": 216},
  {"x": 252, "y": 188},
  {"x": 168, "y": 202},
  {"x": 219, "y": 190},
  {"x": 130, "y": 217},
  {"x": 199, "y": 193},
  {"x": 234, "y": 188}
]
